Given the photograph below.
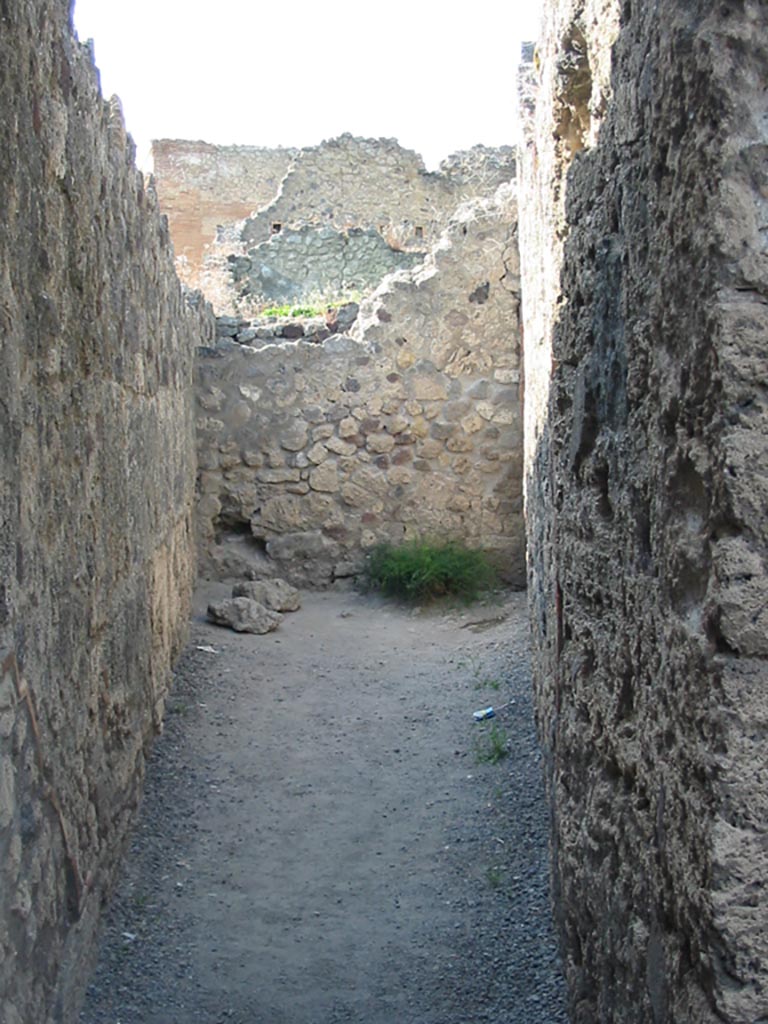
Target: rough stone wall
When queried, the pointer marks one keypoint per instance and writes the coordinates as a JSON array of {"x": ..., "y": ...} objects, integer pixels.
[
  {"x": 349, "y": 182},
  {"x": 480, "y": 170},
  {"x": 342, "y": 185},
  {"x": 643, "y": 216},
  {"x": 202, "y": 186},
  {"x": 96, "y": 483},
  {"x": 413, "y": 427},
  {"x": 312, "y": 263}
]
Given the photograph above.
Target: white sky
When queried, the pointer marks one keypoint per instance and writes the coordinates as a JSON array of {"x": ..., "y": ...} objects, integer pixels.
[{"x": 436, "y": 76}]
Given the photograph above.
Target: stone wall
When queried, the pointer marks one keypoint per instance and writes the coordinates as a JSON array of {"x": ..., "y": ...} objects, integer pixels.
[
  {"x": 349, "y": 182},
  {"x": 340, "y": 186},
  {"x": 310, "y": 454},
  {"x": 307, "y": 264},
  {"x": 645, "y": 287},
  {"x": 96, "y": 482},
  {"x": 202, "y": 186}
]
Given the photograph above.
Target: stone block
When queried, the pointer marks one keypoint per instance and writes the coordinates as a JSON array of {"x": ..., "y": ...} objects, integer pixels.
[
  {"x": 428, "y": 388},
  {"x": 459, "y": 443},
  {"x": 402, "y": 456},
  {"x": 506, "y": 376},
  {"x": 211, "y": 401},
  {"x": 340, "y": 447},
  {"x": 209, "y": 507},
  {"x": 278, "y": 476},
  {"x": 429, "y": 448},
  {"x": 317, "y": 453},
  {"x": 380, "y": 443},
  {"x": 397, "y": 425},
  {"x": 294, "y": 438},
  {"x": 207, "y": 460},
  {"x": 324, "y": 477},
  {"x": 441, "y": 431},
  {"x": 244, "y": 615},
  {"x": 274, "y": 594},
  {"x": 348, "y": 427},
  {"x": 400, "y": 475},
  {"x": 454, "y": 411},
  {"x": 505, "y": 415},
  {"x": 281, "y": 514},
  {"x": 294, "y": 546}
]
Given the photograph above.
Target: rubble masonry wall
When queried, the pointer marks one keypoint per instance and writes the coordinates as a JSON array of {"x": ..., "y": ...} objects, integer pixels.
[
  {"x": 313, "y": 264},
  {"x": 96, "y": 487},
  {"x": 202, "y": 186},
  {"x": 342, "y": 184},
  {"x": 645, "y": 312},
  {"x": 411, "y": 427},
  {"x": 351, "y": 182}
]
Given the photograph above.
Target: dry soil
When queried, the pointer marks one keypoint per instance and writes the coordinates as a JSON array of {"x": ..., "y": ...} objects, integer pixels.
[{"x": 326, "y": 836}]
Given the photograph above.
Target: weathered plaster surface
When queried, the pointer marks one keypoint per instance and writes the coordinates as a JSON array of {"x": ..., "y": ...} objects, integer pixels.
[{"x": 202, "y": 187}]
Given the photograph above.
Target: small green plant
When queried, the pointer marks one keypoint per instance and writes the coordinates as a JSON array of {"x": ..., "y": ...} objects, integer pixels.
[
  {"x": 495, "y": 877},
  {"x": 178, "y": 709},
  {"x": 422, "y": 571},
  {"x": 316, "y": 306},
  {"x": 494, "y": 746},
  {"x": 472, "y": 663},
  {"x": 293, "y": 311},
  {"x": 488, "y": 684}
]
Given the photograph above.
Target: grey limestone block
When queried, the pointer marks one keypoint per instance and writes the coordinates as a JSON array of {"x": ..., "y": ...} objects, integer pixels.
[
  {"x": 275, "y": 594},
  {"x": 244, "y": 615}
]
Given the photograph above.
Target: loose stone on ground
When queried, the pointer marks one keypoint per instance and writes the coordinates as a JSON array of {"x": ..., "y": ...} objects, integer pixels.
[
  {"x": 244, "y": 615},
  {"x": 275, "y": 594}
]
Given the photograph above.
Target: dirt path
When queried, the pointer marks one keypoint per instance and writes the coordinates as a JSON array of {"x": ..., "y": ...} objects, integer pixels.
[{"x": 321, "y": 840}]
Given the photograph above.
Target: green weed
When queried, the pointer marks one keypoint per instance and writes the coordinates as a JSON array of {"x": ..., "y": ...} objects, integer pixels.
[
  {"x": 178, "y": 709},
  {"x": 294, "y": 311},
  {"x": 317, "y": 306},
  {"x": 422, "y": 571},
  {"x": 488, "y": 684},
  {"x": 493, "y": 747},
  {"x": 495, "y": 877}
]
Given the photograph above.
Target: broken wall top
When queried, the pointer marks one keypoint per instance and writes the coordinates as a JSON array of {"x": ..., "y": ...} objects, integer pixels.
[{"x": 208, "y": 191}]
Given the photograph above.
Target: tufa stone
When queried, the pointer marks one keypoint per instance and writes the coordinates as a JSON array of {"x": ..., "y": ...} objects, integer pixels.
[
  {"x": 244, "y": 615},
  {"x": 275, "y": 594}
]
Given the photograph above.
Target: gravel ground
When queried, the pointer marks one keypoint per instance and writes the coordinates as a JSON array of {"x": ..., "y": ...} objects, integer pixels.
[{"x": 324, "y": 838}]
